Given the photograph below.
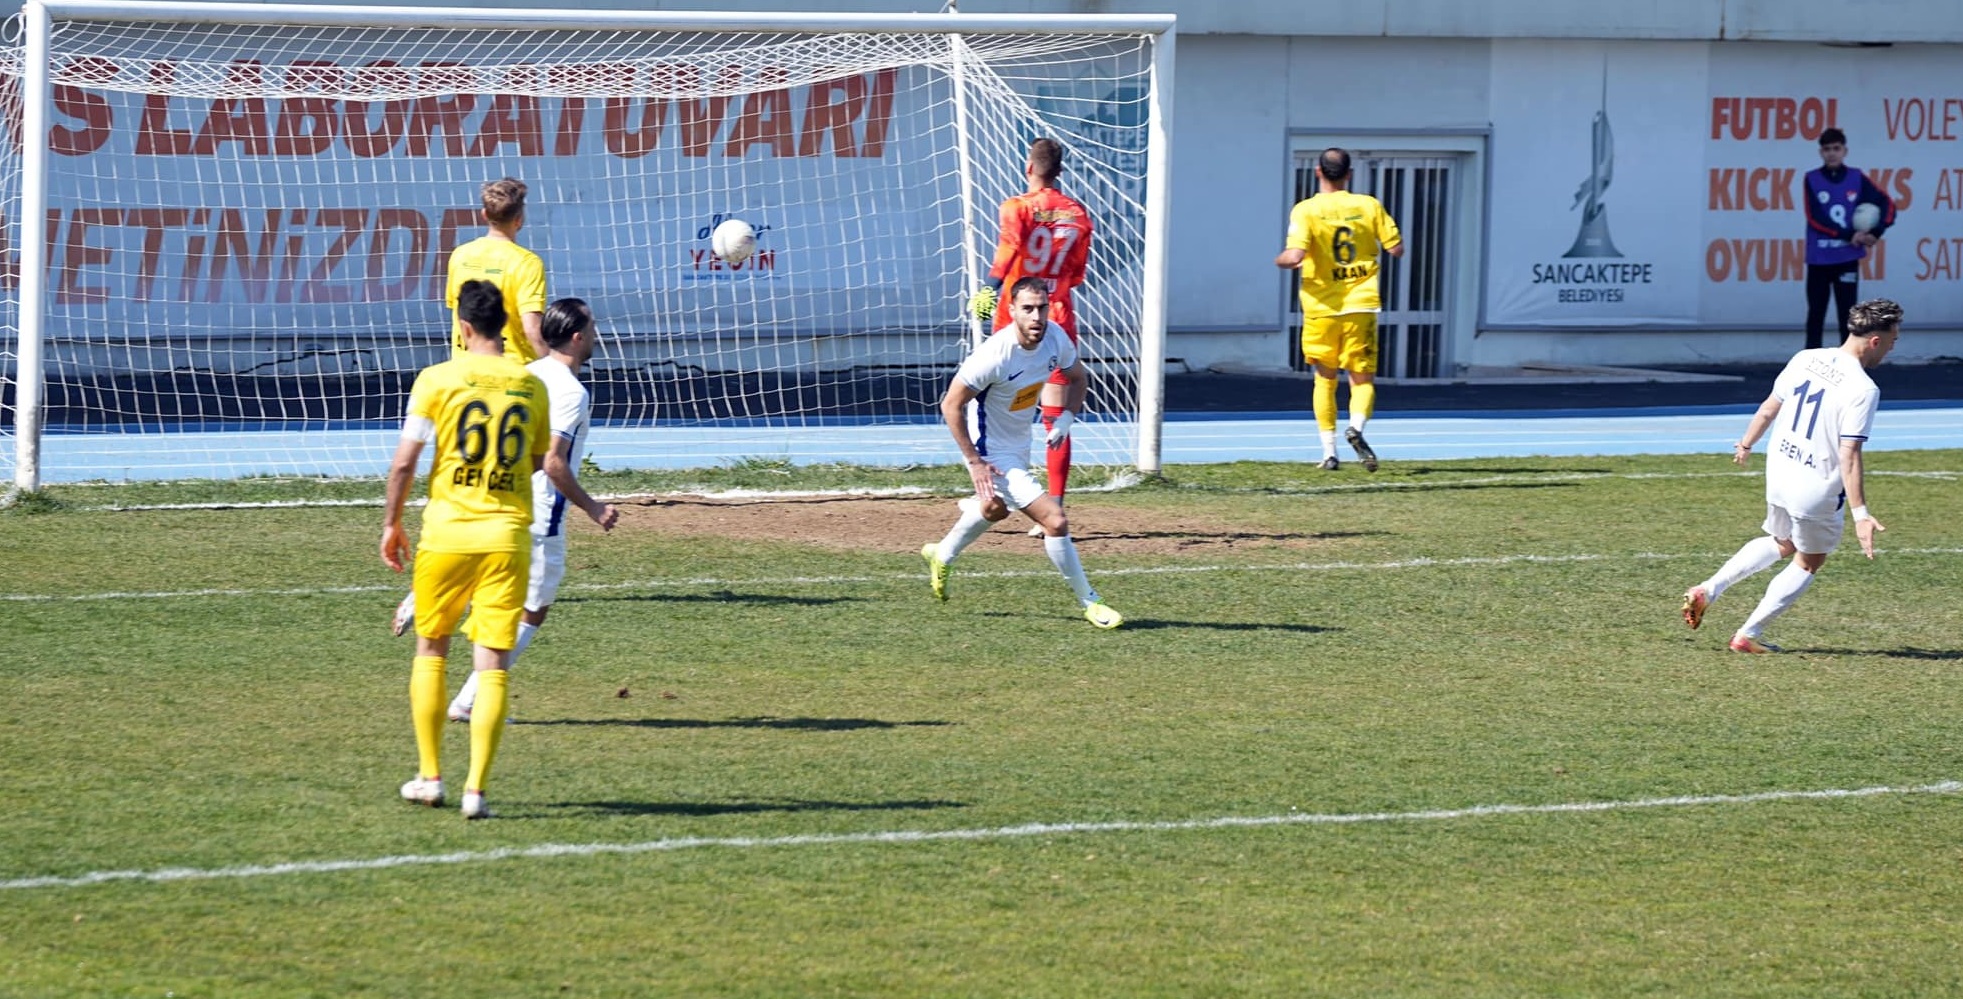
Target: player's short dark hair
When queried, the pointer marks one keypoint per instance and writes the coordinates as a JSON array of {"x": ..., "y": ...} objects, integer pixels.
[
  {"x": 1873, "y": 317},
  {"x": 1334, "y": 163},
  {"x": 564, "y": 318},
  {"x": 1833, "y": 137},
  {"x": 481, "y": 306},
  {"x": 1046, "y": 158},
  {"x": 1029, "y": 284},
  {"x": 504, "y": 200}
]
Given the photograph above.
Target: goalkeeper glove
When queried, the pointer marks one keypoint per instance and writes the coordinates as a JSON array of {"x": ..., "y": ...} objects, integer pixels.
[
  {"x": 1059, "y": 428},
  {"x": 983, "y": 304}
]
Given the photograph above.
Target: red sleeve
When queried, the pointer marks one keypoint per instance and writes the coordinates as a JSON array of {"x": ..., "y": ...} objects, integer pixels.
[{"x": 1015, "y": 224}]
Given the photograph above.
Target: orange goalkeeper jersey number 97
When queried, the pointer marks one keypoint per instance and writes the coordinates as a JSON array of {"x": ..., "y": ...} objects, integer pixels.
[{"x": 1047, "y": 235}]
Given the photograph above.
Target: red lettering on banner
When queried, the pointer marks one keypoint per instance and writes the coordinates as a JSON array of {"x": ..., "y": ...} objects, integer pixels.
[
  {"x": 154, "y": 136},
  {"x": 237, "y": 119},
  {"x": 1922, "y": 119},
  {"x": 1941, "y": 259},
  {"x": 153, "y": 222},
  {"x": 823, "y": 116},
  {"x": 365, "y": 137},
  {"x": 765, "y": 120},
  {"x": 92, "y": 109},
  {"x": 700, "y": 118},
  {"x": 1744, "y": 118},
  {"x": 77, "y": 254},
  {"x": 233, "y": 245},
  {"x": 1895, "y": 178},
  {"x": 1759, "y": 189},
  {"x": 352, "y": 222},
  {"x": 307, "y": 125},
  {"x": 387, "y": 222},
  {"x": 879, "y": 117},
  {"x": 433, "y": 114},
  {"x": 454, "y": 221}
]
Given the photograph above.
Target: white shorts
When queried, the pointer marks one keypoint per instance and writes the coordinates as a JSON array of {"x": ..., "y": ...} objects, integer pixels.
[
  {"x": 1812, "y": 535},
  {"x": 1016, "y": 486},
  {"x": 548, "y": 569}
]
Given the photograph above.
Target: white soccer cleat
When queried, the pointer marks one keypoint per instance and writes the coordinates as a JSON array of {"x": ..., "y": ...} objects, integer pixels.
[
  {"x": 474, "y": 806},
  {"x": 1036, "y": 532},
  {"x": 459, "y": 712},
  {"x": 424, "y": 791},
  {"x": 405, "y": 614}
]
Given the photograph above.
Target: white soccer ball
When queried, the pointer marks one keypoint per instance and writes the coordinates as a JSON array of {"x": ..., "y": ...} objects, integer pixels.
[
  {"x": 734, "y": 240},
  {"x": 1866, "y": 216}
]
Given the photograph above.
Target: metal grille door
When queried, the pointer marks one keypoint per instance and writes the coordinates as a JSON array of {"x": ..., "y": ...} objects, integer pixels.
[{"x": 1417, "y": 192}]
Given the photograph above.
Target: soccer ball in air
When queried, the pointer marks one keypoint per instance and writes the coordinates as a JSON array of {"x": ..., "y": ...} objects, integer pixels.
[
  {"x": 1867, "y": 215},
  {"x": 734, "y": 240}
]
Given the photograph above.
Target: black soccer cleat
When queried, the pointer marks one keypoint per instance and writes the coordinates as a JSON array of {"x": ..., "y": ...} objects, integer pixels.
[
  {"x": 1363, "y": 452},
  {"x": 1330, "y": 464}
]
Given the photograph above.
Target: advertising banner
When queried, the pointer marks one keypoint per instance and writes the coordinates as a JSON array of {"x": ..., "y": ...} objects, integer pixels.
[{"x": 1643, "y": 183}]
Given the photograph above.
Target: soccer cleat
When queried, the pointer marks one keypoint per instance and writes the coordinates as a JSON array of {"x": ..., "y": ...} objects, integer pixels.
[
  {"x": 424, "y": 791},
  {"x": 1036, "y": 532},
  {"x": 1102, "y": 616},
  {"x": 1746, "y": 643},
  {"x": 1363, "y": 452},
  {"x": 474, "y": 806},
  {"x": 405, "y": 614},
  {"x": 1330, "y": 464},
  {"x": 1696, "y": 602},
  {"x": 458, "y": 713},
  {"x": 937, "y": 570}
]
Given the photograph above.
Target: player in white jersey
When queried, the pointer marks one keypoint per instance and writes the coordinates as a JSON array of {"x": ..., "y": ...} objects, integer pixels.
[
  {"x": 570, "y": 338},
  {"x": 1005, "y": 378},
  {"x": 1820, "y": 411}
]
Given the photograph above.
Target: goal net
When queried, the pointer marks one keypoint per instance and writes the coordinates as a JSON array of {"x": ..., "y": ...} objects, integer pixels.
[{"x": 245, "y": 213}]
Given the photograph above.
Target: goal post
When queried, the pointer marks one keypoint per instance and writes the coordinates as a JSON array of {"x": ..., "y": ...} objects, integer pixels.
[{"x": 226, "y": 225}]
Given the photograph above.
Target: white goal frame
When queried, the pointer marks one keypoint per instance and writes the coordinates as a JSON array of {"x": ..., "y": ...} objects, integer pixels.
[{"x": 38, "y": 16}]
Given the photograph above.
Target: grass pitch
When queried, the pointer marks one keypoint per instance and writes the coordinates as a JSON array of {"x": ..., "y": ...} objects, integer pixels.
[{"x": 213, "y": 692}]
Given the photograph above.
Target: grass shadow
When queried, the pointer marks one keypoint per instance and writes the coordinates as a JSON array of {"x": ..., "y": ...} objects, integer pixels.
[
  {"x": 1153, "y": 624},
  {"x": 1222, "y": 536},
  {"x": 703, "y": 808},
  {"x": 1930, "y": 655},
  {"x": 717, "y": 597},
  {"x": 762, "y": 722}
]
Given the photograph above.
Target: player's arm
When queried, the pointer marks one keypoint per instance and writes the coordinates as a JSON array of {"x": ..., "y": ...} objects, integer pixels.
[
  {"x": 1741, "y": 452},
  {"x": 528, "y": 300},
  {"x": 1389, "y": 236},
  {"x": 1852, "y": 475},
  {"x": 954, "y": 410},
  {"x": 1013, "y": 230},
  {"x": 1295, "y": 248},
  {"x": 558, "y": 468},
  {"x": 534, "y": 325},
  {"x": 402, "y": 475}
]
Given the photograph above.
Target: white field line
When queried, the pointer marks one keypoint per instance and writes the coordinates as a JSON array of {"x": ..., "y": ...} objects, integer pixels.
[
  {"x": 545, "y": 851},
  {"x": 1116, "y": 484},
  {"x": 1495, "y": 561}
]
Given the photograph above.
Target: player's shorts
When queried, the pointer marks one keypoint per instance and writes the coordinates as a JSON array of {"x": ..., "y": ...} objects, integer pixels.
[
  {"x": 548, "y": 569},
  {"x": 1812, "y": 535},
  {"x": 1347, "y": 341},
  {"x": 1016, "y": 486},
  {"x": 491, "y": 585}
]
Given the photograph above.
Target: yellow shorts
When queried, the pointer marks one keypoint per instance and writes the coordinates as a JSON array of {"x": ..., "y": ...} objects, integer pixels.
[
  {"x": 1348, "y": 341},
  {"x": 491, "y": 585}
]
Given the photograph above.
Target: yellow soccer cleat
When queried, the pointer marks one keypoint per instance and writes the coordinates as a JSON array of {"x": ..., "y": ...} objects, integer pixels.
[
  {"x": 937, "y": 570},
  {"x": 1103, "y": 616}
]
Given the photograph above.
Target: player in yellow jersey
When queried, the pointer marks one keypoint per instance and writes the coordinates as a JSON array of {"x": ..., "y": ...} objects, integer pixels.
[
  {"x": 519, "y": 275},
  {"x": 488, "y": 418},
  {"x": 1334, "y": 237}
]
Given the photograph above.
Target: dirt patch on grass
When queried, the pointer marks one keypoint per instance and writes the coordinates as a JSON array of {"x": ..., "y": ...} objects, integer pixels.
[{"x": 900, "y": 525}]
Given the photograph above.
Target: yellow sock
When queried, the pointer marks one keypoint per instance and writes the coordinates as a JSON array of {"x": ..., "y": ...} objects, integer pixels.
[
  {"x": 487, "y": 724},
  {"x": 1325, "y": 403},
  {"x": 1363, "y": 402},
  {"x": 426, "y": 696}
]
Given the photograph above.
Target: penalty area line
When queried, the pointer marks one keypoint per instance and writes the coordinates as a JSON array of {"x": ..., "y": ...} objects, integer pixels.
[{"x": 552, "y": 850}]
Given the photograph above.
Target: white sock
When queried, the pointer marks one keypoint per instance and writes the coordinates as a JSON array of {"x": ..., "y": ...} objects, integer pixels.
[
  {"x": 972, "y": 525},
  {"x": 1781, "y": 593},
  {"x": 525, "y": 634},
  {"x": 1756, "y": 556},
  {"x": 1063, "y": 554},
  {"x": 1329, "y": 443},
  {"x": 467, "y": 697},
  {"x": 1357, "y": 420}
]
